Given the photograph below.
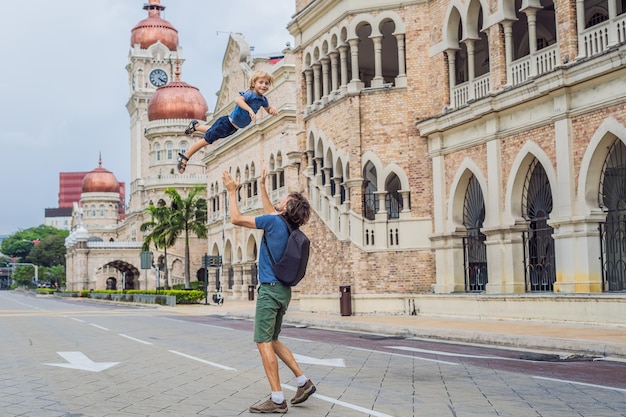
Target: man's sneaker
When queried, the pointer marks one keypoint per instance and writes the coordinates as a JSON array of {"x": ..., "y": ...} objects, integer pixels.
[
  {"x": 303, "y": 393},
  {"x": 269, "y": 406}
]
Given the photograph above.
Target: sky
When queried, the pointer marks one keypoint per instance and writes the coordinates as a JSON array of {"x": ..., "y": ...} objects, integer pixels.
[{"x": 64, "y": 86}]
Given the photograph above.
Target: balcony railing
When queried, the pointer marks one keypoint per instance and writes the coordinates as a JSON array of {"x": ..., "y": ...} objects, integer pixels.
[
  {"x": 541, "y": 62},
  {"x": 478, "y": 88},
  {"x": 600, "y": 37}
]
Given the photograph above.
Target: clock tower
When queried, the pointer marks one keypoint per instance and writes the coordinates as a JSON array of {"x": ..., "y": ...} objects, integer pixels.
[{"x": 154, "y": 54}]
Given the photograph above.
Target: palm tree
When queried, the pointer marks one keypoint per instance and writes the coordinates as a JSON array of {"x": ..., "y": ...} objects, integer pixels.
[
  {"x": 160, "y": 232},
  {"x": 188, "y": 215}
]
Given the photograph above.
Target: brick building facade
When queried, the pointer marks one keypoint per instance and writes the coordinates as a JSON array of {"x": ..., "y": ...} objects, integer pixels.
[{"x": 453, "y": 151}]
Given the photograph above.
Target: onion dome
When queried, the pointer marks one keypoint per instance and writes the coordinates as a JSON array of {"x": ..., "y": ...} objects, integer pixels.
[
  {"x": 100, "y": 180},
  {"x": 177, "y": 100},
  {"x": 154, "y": 28}
]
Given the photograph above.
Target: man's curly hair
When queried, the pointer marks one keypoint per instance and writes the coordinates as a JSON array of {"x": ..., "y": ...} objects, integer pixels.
[{"x": 297, "y": 209}]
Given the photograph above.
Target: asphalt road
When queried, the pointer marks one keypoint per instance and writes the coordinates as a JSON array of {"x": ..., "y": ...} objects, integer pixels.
[{"x": 80, "y": 358}]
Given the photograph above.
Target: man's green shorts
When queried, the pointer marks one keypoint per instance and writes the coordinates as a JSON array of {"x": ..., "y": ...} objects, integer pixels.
[{"x": 271, "y": 306}]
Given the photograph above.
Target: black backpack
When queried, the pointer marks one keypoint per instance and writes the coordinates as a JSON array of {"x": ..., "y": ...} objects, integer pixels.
[{"x": 291, "y": 267}]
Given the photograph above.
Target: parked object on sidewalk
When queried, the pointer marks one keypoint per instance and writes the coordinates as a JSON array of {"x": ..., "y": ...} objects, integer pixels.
[
  {"x": 345, "y": 302},
  {"x": 218, "y": 298}
]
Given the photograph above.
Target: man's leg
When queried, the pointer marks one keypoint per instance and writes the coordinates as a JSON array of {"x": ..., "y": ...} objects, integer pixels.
[
  {"x": 270, "y": 364},
  {"x": 286, "y": 356},
  {"x": 305, "y": 386}
]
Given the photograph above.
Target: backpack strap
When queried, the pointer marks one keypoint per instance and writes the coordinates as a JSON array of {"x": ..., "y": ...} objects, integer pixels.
[
  {"x": 268, "y": 250},
  {"x": 289, "y": 230}
]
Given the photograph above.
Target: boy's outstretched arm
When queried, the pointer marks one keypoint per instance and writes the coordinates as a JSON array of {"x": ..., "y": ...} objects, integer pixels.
[
  {"x": 271, "y": 110},
  {"x": 241, "y": 102},
  {"x": 268, "y": 207}
]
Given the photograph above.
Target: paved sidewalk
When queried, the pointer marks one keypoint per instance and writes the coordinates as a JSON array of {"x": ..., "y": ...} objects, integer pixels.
[{"x": 601, "y": 341}]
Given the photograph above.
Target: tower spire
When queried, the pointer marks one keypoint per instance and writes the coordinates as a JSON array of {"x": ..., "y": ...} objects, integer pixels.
[{"x": 154, "y": 8}]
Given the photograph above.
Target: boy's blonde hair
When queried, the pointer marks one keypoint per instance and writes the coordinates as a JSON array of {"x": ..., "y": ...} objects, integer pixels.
[{"x": 257, "y": 75}]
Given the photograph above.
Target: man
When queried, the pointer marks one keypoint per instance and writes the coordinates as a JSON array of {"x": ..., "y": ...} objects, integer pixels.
[{"x": 273, "y": 297}]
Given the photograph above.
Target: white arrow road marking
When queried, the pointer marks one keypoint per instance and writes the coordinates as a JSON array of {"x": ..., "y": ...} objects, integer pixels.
[
  {"x": 405, "y": 356},
  {"x": 364, "y": 410},
  {"x": 339, "y": 363},
  {"x": 78, "y": 360}
]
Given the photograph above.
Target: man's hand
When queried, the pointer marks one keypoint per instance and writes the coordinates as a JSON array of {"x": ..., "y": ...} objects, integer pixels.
[
  {"x": 263, "y": 176},
  {"x": 230, "y": 184}
]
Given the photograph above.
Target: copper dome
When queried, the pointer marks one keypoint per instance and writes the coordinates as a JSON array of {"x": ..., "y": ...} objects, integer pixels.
[
  {"x": 177, "y": 100},
  {"x": 154, "y": 28},
  {"x": 100, "y": 180}
]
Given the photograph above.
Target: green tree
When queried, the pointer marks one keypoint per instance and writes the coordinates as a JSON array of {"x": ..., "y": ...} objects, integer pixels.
[
  {"x": 189, "y": 215},
  {"x": 20, "y": 243},
  {"x": 160, "y": 233},
  {"x": 49, "y": 251},
  {"x": 23, "y": 275},
  {"x": 54, "y": 274}
]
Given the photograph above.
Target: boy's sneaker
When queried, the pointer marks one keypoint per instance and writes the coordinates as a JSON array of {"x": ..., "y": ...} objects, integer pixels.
[
  {"x": 269, "y": 406},
  {"x": 303, "y": 393},
  {"x": 192, "y": 127}
]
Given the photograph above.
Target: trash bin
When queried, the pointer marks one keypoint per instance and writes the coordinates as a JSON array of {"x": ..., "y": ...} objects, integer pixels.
[
  {"x": 345, "y": 302},
  {"x": 250, "y": 292}
]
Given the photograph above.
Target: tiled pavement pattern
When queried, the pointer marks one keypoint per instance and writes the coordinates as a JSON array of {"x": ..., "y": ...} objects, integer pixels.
[{"x": 153, "y": 378}]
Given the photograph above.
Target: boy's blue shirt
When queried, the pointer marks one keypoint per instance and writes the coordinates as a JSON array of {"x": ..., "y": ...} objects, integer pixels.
[
  {"x": 239, "y": 116},
  {"x": 276, "y": 235}
]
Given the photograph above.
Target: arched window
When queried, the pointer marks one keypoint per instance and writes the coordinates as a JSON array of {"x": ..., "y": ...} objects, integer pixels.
[
  {"x": 170, "y": 150},
  {"x": 474, "y": 249},
  {"x": 613, "y": 230},
  {"x": 393, "y": 199},
  {"x": 539, "y": 243},
  {"x": 157, "y": 151},
  {"x": 101, "y": 210},
  {"x": 370, "y": 200}
]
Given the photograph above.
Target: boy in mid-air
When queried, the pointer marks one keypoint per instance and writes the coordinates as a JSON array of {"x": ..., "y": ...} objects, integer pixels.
[{"x": 246, "y": 107}]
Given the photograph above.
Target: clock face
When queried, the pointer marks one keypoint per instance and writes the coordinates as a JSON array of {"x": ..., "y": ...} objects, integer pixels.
[{"x": 158, "y": 77}]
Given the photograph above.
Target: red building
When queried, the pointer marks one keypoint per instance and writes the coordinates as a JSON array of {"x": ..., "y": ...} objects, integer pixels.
[{"x": 71, "y": 186}]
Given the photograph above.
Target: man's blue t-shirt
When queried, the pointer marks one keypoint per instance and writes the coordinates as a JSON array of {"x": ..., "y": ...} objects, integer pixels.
[
  {"x": 276, "y": 235},
  {"x": 239, "y": 116}
]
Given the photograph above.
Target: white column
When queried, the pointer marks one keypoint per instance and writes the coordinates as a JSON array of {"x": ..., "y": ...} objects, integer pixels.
[
  {"x": 470, "y": 67},
  {"x": 343, "y": 59},
  {"x": 580, "y": 27},
  {"x": 401, "y": 78},
  {"x": 308, "y": 76},
  {"x": 613, "y": 32},
  {"x": 334, "y": 71},
  {"x": 356, "y": 84},
  {"x": 325, "y": 76},
  {"x": 317, "y": 85},
  {"x": 378, "y": 61}
]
